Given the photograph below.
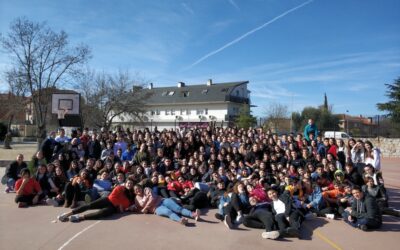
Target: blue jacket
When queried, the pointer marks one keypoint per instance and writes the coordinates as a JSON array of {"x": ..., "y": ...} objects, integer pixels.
[{"x": 310, "y": 129}]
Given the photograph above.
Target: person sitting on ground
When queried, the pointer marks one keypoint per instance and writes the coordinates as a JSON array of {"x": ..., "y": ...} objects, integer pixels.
[
  {"x": 146, "y": 202},
  {"x": 238, "y": 205},
  {"x": 13, "y": 172},
  {"x": 379, "y": 193},
  {"x": 76, "y": 190},
  {"x": 102, "y": 187},
  {"x": 28, "y": 190},
  {"x": 287, "y": 217},
  {"x": 60, "y": 180},
  {"x": 193, "y": 198},
  {"x": 261, "y": 217},
  {"x": 120, "y": 200},
  {"x": 364, "y": 212}
]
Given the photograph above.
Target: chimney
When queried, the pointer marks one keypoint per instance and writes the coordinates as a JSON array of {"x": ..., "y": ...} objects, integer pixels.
[
  {"x": 151, "y": 85},
  {"x": 209, "y": 82},
  {"x": 181, "y": 84}
]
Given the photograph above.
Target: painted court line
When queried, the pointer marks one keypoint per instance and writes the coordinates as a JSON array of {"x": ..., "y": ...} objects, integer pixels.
[
  {"x": 324, "y": 238},
  {"x": 76, "y": 235}
]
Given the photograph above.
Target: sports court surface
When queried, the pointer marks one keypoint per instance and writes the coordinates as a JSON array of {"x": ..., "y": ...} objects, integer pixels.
[{"x": 34, "y": 228}]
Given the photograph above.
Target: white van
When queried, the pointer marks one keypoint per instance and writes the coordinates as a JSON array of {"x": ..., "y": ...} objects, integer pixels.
[{"x": 336, "y": 135}]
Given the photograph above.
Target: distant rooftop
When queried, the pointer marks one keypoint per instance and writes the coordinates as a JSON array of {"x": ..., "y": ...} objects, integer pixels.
[{"x": 202, "y": 93}]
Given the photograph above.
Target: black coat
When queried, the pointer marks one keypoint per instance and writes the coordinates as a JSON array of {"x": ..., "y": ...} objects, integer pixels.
[{"x": 366, "y": 208}]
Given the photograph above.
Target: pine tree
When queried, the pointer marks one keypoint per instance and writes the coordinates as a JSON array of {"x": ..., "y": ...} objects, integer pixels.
[{"x": 393, "y": 105}]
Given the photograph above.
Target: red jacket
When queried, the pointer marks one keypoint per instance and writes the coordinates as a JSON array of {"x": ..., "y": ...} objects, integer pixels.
[
  {"x": 32, "y": 187},
  {"x": 118, "y": 198},
  {"x": 178, "y": 187}
]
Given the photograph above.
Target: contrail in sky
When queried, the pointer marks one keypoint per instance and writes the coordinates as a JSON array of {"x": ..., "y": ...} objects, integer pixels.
[{"x": 246, "y": 34}]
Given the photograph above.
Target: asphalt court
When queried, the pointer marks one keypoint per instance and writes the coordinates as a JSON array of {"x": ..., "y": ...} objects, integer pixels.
[{"x": 35, "y": 228}]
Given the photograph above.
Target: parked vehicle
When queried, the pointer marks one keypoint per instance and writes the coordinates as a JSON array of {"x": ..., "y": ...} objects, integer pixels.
[{"x": 336, "y": 135}]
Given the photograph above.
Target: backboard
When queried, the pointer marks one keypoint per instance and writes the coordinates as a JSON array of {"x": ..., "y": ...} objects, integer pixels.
[{"x": 69, "y": 102}]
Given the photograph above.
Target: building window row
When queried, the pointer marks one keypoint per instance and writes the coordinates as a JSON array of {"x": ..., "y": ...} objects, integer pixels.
[{"x": 181, "y": 112}]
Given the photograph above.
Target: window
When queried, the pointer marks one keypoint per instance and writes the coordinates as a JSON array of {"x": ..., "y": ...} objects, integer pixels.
[
  {"x": 152, "y": 112},
  {"x": 237, "y": 92},
  {"x": 157, "y": 112},
  {"x": 167, "y": 112},
  {"x": 182, "y": 112},
  {"x": 172, "y": 111},
  {"x": 188, "y": 111},
  {"x": 185, "y": 93},
  {"x": 171, "y": 93},
  {"x": 164, "y": 93},
  {"x": 204, "y": 91},
  {"x": 199, "y": 111},
  {"x": 206, "y": 111}
]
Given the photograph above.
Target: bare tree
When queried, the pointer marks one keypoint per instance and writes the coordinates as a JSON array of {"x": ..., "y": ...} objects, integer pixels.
[
  {"x": 110, "y": 96},
  {"x": 276, "y": 114},
  {"x": 45, "y": 60}
]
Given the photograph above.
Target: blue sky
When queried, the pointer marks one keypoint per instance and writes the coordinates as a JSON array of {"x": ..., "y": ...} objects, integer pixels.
[{"x": 291, "y": 51}]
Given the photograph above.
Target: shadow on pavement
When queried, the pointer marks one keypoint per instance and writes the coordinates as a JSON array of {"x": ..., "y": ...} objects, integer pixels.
[{"x": 309, "y": 226}]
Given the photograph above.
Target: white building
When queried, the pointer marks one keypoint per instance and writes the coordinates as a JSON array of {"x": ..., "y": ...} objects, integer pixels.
[{"x": 193, "y": 105}]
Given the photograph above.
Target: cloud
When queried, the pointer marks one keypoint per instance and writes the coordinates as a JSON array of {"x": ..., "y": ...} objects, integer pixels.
[
  {"x": 187, "y": 8},
  {"x": 246, "y": 34},
  {"x": 232, "y": 2}
]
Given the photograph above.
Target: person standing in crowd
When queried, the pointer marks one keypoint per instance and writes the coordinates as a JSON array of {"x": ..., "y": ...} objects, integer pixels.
[{"x": 310, "y": 128}]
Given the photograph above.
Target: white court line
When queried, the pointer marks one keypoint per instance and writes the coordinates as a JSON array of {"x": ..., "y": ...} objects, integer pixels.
[{"x": 76, "y": 235}]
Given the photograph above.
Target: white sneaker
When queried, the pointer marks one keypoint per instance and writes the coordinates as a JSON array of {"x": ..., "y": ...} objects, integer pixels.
[
  {"x": 330, "y": 216},
  {"x": 51, "y": 202},
  {"x": 63, "y": 217},
  {"x": 74, "y": 218},
  {"x": 273, "y": 235}
]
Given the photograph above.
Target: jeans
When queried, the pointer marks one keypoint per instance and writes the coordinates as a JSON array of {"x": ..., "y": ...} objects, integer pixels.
[
  {"x": 11, "y": 183},
  {"x": 169, "y": 208},
  {"x": 371, "y": 223}
]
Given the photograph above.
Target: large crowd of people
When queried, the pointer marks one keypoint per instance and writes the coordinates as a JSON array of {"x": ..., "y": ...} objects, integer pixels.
[{"x": 252, "y": 177}]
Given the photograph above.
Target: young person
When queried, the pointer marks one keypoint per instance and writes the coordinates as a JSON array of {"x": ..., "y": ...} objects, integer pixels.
[
  {"x": 364, "y": 213},
  {"x": 147, "y": 202},
  {"x": 120, "y": 200},
  {"x": 28, "y": 190}
]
